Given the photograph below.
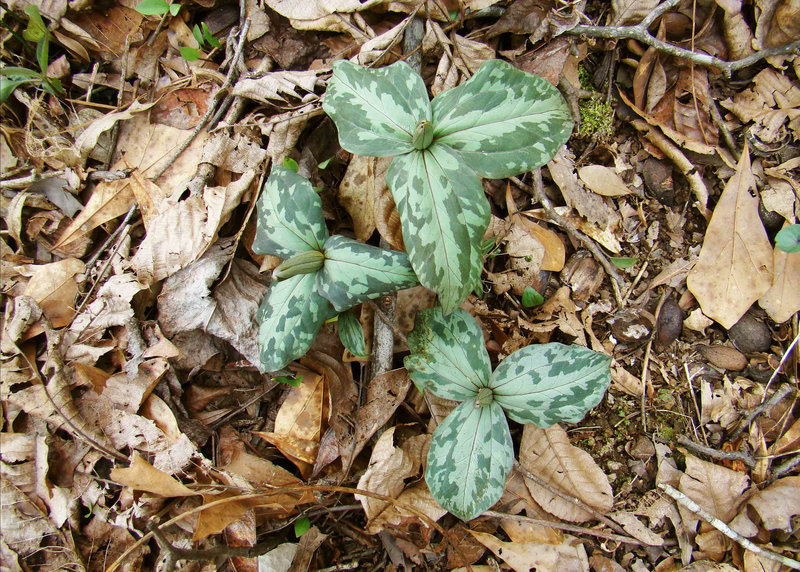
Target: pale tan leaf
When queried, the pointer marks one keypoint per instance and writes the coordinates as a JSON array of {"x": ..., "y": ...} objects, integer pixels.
[
  {"x": 387, "y": 219},
  {"x": 773, "y": 99},
  {"x": 182, "y": 232},
  {"x": 284, "y": 131},
  {"x": 108, "y": 201},
  {"x": 718, "y": 490},
  {"x": 570, "y": 556},
  {"x": 374, "y": 49},
  {"x": 389, "y": 467},
  {"x": 789, "y": 441},
  {"x": 603, "y": 181},
  {"x": 554, "y": 250},
  {"x": 142, "y": 476},
  {"x": 735, "y": 264},
  {"x": 587, "y": 204},
  {"x": 636, "y": 528},
  {"x": 631, "y": 11},
  {"x": 127, "y": 393},
  {"x": 778, "y": 503},
  {"x": 278, "y": 559},
  {"x": 782, "y": 300},
  {"x": 548, "y": 454},
  {"x": 274, "y": 87},
  {"x": 298, "y": 424},
  {"x": 53, "y": 288},
  {"x": 148, "y": 195},
  {"x": 760, "y": 563},
  {"x": 87, "y": 140}
]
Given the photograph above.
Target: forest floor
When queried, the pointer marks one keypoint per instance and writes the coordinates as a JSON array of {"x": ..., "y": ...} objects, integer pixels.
[{"x": 137, "y": 431}]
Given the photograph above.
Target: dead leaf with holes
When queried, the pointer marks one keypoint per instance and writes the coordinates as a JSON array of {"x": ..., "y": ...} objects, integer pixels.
[
  {"x": 735, "y": 264},
  {"x": 298, "y": 425},
  {"x": 548, "y": 454}
]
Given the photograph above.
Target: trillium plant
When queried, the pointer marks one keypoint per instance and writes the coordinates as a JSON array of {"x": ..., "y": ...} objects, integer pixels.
[
  {"x": 320, "y": 275},
  {"x": 471, "y": 452},
  {"x": 499, "y": 123}
]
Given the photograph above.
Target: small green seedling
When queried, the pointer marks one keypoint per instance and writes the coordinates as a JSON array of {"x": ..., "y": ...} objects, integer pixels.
[
  {"x": 499, "y": 123},
  {"x": 624, "y": 262},
  {"x": 471, "y": 451},
  {"x": 531, "y": 298},
  {"x": 158, "y": 7},
  {"x": 320, "y": 275},
  {"x": 788, "y": 238},
  {"x": 11, "y": 77}
]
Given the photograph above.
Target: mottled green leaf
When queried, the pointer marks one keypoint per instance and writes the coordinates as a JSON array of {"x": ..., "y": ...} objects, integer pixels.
[
  {"x": 549, "y": 383},
  {"x": 289, "y": 318},
  {"x": 469, "y": 460},
  {"x": 444, "y": 215},
  {"x": 354, "y": 272},
  {"x": 788, "y": 238},
  {"x": 351, "y": 334},
  {"x": 448, "y": 356},
  {"x": 289, "y": 216},
  {"x": 502, "y": 121},
  {"x": 376, "y": 110}
]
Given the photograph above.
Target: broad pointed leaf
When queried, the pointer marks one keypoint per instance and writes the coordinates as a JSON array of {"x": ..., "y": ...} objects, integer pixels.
[
  {"x": 290, "y": 217},
  {"x": 354, "y": 272},
  {"x": 448, "y": 356},
  {"x": 550, "y": 383},
  {"x": 444, "y": 215},
  {"x": 502, "y": 121},
  {"x": 376, "y": 110},
  {"x": 289, "y": 318},
  {"x": 470, "y": 457}
]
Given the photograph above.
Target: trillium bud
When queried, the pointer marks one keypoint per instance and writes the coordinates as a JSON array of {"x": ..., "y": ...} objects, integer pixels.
[{"x": 423, "y": 134}]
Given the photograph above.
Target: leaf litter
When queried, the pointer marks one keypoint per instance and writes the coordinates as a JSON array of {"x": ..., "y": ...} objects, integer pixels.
[{"x": 128, "y": 382}]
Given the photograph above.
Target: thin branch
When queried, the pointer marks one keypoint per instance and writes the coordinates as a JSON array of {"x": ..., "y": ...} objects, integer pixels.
[
  {"x": 538, "y": 194},
  {"x": 742, "y": 456},
  {"x": 782, "y": 392},
  {"x": 785, "y": 467},
  {"x": 218, "y": 96},
  {"x": 567, "y": 527},
  {"x": 641, "y": 33},
  {"x": 688, "y": 503}
]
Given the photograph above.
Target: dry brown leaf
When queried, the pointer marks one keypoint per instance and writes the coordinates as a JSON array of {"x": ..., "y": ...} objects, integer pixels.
[
  {"x": 142, "y": 476},
  {"x": 387, "y": 219},
  {"x": 570, "y": 556},
  {"x": 375, "y": 49},
  {"x": 603, "y": 181},
  {"x": 284, "y": 131},
  {"x": 108, "y": 201},
  {"x": 773, "y": 99},
  {"x": 148, "y": 195},
  {"x": 718, "y": 490},
  {"x": 789, "y": 441},
  {"x": 364, "y": 179},
  {"x": 53, "y": 288},
  {"x": 554, "y": 250},
  {"x": 548, "y": 454},
  {"x": 129, "y": 394},
  {"x": 627, "y": 12},
  {"x": 735, "y": 264},
  {"x": 274, "y": 87},
  {"x": 183, "y": 231},
  {"x": 782, "y": 300},
  {"x": 298, "y": 425},
  {"x": 778, "y": 503},
  {"x": 738, "y": 36},
  {"x": 87, "y": 140}
]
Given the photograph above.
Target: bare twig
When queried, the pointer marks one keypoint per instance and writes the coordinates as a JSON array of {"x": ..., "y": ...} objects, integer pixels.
[
  {"x": 537, "y": 191},
  {"x": 723, "y": 129},
  {"x": 688, "y": 503},
  {"x": 786, "y": 466},
  {"x": 641, "y": 33},
  {"x": 694, "y": 401},
  {"x": 742, "y": 456},
  {"x": 218, "y": 96},
  {"x": 564, "y": 526},
  {"x": 782, "y": 392},
  {"x": 386, "y": 320},
  {"x": 569, "y": 498},
  {"x": 27, "y": 180}
]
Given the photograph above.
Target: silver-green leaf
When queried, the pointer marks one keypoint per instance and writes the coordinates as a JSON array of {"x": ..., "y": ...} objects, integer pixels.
[
  {"x": 444, "y": 215},
  {"x": 289, "y": 318},
  {"x": 376, "y": 110},
  {"x": 550, "y": 383},
  {"x": 351, "y": 334},
  {"x": 502, "y": 121},
  {"x": 290, "y": 217},
  {"x": 469, "y": 459},
  {"x": 354, "y": 272},
  {"x": 448, "y": 356}
]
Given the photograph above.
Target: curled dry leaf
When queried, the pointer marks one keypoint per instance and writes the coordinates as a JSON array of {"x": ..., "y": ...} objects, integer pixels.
[
  {"x": 108, "y": 201},
  {"x": 142, "y": 476},
  {"x": 548, "y": 454},
  {"x": 778, "y": 503},
  {"x": 298, "y": 424},
  {"x": 735, "y": 265},
  {"x": 53, "y": 287}
]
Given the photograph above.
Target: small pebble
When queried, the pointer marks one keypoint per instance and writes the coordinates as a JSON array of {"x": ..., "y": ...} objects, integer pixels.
[
  {"x": 750, "y": 334},
  {"x": 669, "y": 323}
]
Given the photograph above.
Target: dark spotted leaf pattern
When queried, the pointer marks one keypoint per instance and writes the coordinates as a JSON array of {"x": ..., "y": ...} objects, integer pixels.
[
  {"x": 290, "y": 217},
  {"x": 501, "y": 122},
  {"x": 354, "y": 272},
  {"x": 550, "y": 383},
  {"x": 448, "y": 356},
  {"x": 290, "y": 223},
  {"x": 470, "y": 457},
  {"x": 471, "y": 452}
]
